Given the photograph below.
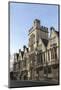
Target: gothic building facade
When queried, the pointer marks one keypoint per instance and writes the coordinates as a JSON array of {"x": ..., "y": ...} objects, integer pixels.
[{"x": 41, "y": 59}]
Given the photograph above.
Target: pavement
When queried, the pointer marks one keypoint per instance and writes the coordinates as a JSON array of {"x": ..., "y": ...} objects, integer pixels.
[{"x": 30, "y": 83}]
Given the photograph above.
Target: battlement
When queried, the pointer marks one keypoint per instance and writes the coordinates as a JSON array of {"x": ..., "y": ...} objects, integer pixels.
[{"x": 37, "y": 25}]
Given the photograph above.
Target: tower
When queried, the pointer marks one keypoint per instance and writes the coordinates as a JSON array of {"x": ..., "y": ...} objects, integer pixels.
[
  {"x": 33, "y": 34},
  {"x": 36, "y": 24},
  {"x": 36, "y": 33}
]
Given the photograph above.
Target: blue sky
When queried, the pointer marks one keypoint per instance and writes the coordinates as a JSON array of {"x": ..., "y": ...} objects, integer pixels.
[{"x": 21, "y": 19}]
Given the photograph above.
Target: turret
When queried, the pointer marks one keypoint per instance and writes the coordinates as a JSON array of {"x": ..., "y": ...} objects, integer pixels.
[{"x": 36, "y": 24}]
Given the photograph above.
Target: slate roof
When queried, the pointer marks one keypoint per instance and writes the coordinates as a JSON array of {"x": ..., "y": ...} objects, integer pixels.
[
  {"x": 45, "y": 42},
  {"x": 27, "y": 49},
  {"x": 22, "y": 53},
  {"x": 57, "y": 33},
  {"x": 17, "y": 54}
]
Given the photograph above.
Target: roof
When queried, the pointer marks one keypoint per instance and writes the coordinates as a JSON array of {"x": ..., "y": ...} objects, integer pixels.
[
  {"x": 16, "y": 54},
  {"x": 37, "y": 20},
  {"x": 57, "y": 32},
  {"x": 43, "y": 28},
  {"x": 52, "y": 28},
  {"x": 24, "y": 46},
  {"x": 27, "y": 49},
  {"x": 45, "y": 41},
  {"x": 30, "y": 29},
  {"x": 19, "y": 50},
  {"x": 22, "y": 53}
]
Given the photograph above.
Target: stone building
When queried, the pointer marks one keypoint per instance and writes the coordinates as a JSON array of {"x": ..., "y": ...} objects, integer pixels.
[{"x": 41, "y": 59}]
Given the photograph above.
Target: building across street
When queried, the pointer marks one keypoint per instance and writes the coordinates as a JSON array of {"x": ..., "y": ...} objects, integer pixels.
[{"x": 40, "y": 60}]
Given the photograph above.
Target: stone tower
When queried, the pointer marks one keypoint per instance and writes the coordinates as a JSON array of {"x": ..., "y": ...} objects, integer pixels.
[{"x": 36, "y": 32}]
